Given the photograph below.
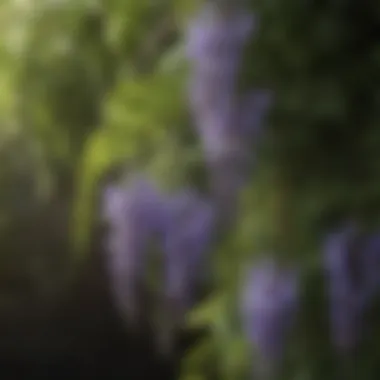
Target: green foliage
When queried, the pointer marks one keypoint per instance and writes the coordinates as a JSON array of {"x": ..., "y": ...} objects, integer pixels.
[
  {"x": 140, "y": 116},
  {"x": 317, "y": 164},
  {"x": 89, "y": 85}
]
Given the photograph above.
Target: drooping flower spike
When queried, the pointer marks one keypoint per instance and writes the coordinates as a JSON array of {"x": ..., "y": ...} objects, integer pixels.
[
  {"x": 226, "y": 121},
  {"x": 269, "y": 308},
  {"x": 133, "y": 214},
  {"x": 352, "y": 267}
]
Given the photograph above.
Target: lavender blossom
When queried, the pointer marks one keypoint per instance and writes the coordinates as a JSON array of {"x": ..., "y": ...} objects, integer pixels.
[
  {"x": 269, "y": 306},
  {"x": 345, "y": 308},
  {"x": 352, "y": 265},
  {"x": 133, "y": 215},
  {"x": 187, "y": 238},
  {"x": 226, "y": 122},
  {"x": 371, "y": 264},
  {"x": 214, "y": 47},
  {"x": 215, "y": 43},
  {"x": 186, "y": 242}
]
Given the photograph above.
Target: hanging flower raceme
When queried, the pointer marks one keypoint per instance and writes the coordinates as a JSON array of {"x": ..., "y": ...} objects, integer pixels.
[
  {"x": 371, "y": 267},
  {"x": 352, "y": 266},
  {"x": 134, "y": 216},
  {"x": 269, "y": 307},
  {"x": 226, "y": 121},
  {"x": 187, "y": 241},
  {"x": 182, "y": 226}
]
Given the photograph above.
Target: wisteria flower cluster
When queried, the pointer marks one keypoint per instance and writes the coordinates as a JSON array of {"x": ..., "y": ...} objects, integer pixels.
[
  {"x": 226, "y": 121},
  {"x": 352, "y": 266},
  {"x": 229, "y": 124},
  {"x": 181, "y": 226},
  {"x": 269, "y": 307},
  {"x": 270, "y": 302}
]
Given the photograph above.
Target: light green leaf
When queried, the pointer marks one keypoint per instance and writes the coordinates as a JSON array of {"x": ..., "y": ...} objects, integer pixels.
[{"x": 208, "y": 313}]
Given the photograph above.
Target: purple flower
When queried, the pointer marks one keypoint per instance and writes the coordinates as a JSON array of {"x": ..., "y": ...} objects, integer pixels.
[
  {"x": 215, "y": 33},
  {"x": 352, "y": 266},
  {"x": 215, "y": 44},
  {"x": 187, "y": 236},
  {"x": 346, "y": 289},
  {"x": 371, "y": 263},
  {"x": 133, "y": 215},
  {"x": 269, "y": 306},
  {"x": 226, "y": 121},
  {"x": 186, "y": 244}
]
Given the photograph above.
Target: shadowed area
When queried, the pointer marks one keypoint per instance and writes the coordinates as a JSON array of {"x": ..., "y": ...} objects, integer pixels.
[{"x": 78, "y": 336}]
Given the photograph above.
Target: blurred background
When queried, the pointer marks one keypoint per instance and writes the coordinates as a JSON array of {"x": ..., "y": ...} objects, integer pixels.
[
  {"x": 65, "y": 70},
  {"x": 88, "y": 88}
]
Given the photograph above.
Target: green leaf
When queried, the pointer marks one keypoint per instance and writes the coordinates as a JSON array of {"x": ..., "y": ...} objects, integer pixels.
[
  {"x": 198, "y": 360},
  {"x": 103, "y": 150},
  {"x": 208, "y": 313}
]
